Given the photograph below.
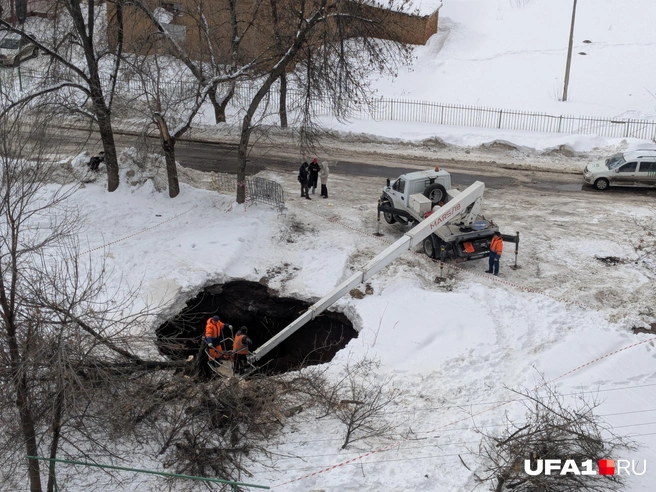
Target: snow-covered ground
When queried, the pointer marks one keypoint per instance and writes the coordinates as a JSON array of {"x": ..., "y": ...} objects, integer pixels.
[{"x": 454, "y": 349}]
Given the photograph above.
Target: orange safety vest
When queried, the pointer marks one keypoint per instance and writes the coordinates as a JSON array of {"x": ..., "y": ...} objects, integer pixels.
[
  {"x": 213, "y": 330},
  {"x": 496, "y": 246},
  {"x": 239, "y": 347}
]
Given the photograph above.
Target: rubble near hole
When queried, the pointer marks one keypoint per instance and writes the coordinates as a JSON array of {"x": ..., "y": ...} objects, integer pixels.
[
  {"x": 250, "y": 304},
  {"x": 610, "y": 260}
]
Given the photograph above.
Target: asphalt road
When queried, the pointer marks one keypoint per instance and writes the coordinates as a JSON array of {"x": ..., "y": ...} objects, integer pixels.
[
  {"x": 222, "y": 157},
  {"x": 204, "y": 156}
]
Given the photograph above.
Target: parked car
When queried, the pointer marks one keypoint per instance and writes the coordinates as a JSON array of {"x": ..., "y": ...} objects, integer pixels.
[
  {"x": 635, "y": 168},
  {"x": 15, "y": 49}
]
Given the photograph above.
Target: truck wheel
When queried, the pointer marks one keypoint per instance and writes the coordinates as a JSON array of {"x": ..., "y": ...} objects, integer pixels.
[
  {"x": 601, "y": 184},
  {"x": 389, "y": 218},
  {"x": 436, "y": 193},
  {"x": 429, "y": 247}
]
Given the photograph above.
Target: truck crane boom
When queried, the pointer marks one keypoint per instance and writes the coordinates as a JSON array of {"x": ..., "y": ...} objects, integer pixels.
[{"x": 461, "y": 205}]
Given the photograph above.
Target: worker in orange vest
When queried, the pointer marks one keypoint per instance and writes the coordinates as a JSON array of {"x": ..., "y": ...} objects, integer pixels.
[
  {"x": 240, "y": 350},
  {"x": 496, "y": 248},
  {"x": 214, "y": 338}
]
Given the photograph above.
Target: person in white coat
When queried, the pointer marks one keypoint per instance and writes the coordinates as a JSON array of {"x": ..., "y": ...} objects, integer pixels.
[{"x": 324, "y": 171}]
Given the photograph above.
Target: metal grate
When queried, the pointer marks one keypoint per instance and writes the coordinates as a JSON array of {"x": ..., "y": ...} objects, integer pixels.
[{"x": 258, "y": 190}]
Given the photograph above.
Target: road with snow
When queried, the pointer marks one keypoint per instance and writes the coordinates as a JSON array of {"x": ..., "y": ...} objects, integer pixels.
[{"x": 222, "y": 157}]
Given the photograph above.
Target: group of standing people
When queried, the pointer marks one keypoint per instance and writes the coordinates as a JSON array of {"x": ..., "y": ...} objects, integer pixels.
[
  {"x": 217, "y": 344},
  {"x": 308, "y": 176}
]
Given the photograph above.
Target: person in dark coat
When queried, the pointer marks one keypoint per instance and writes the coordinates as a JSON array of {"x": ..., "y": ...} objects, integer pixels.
[
  {"x": 314, "y": 175},
  {"x": 95, "y": 161},
  {"x": 303, "y": 178}
]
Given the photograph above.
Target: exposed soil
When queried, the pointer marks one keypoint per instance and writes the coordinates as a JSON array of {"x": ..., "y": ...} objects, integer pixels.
[{"x": 251, "y": 304}]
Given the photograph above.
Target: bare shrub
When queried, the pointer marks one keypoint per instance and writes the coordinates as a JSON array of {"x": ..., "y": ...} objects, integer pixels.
[
  {"x": 551, "y": 430},
  {"x": 359, "y": 399}
]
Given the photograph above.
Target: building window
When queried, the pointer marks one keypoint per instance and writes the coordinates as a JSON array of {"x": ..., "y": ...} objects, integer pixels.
[{"x": 172, "y": 7}]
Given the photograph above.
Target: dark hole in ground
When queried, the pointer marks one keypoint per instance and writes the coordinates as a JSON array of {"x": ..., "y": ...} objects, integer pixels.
[{"x": 249, "y": 304}]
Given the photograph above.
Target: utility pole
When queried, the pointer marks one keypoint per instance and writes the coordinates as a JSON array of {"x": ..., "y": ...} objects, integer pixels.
[{"x": 569, "y": 52}]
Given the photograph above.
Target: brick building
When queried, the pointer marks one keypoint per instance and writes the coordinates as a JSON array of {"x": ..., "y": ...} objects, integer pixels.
[
  {"x": 18, "y": 10},
  {"x": 180, "y": 19}
]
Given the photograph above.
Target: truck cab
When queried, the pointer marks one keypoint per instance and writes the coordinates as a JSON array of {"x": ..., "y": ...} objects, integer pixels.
[
  {"x": 412, "y": 197},
  {"x": 432, "y": 184}
]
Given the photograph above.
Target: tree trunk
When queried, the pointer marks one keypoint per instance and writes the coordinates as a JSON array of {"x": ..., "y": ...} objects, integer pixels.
[
  {"x": 171, "y": 169},
  {"x": 29, "y": 434},
  {"x": 283, "y": 101},
  {"x": 242, "y": 155},
  {"x": 23, "y": 406},
  {"x": 109, "y": 147},
  {"x": 56, "y": 432},
  {"x": 168, "y": 145},
  {"x": 220, "y": 106}
]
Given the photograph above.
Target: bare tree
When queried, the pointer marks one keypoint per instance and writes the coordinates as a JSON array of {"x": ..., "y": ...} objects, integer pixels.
[
  {"x": 363, "y": 401},
  {"x": 171, "y": 107},
  {"x": 329, "y": 47},
  {"x": 551, "y": 430},
  {"x": 200, "y": 74},
  {"x": 82, "y": 65},
  {"x": 64, "y": 336},
  {"x": 359, "y": 399}
]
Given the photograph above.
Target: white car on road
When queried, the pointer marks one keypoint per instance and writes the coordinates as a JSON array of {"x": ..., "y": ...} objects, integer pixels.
[{"x": 635, "y": 168}]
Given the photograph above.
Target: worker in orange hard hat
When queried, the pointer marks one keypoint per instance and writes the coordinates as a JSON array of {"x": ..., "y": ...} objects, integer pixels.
[
  {"x": 214, "y": 338},
  {"x": 496, "y": 248}
]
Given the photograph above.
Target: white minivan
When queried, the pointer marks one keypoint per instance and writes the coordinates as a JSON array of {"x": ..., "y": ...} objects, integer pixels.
[{"x": 635, "y": 168}]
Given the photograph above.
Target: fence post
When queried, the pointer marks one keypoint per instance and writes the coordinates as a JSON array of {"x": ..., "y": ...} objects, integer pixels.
[
  {"x": 378, "y": 221},
  {"x": 626, "y": 128},
  {"x": 442, "y": 254},
  {"x": 500, "y": 115},
  {"x": 516, "y": 266}
]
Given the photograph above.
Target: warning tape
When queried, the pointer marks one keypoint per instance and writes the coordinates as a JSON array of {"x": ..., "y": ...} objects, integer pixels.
[
  {"x": 453, "y": 422},
  {"x": 138, "y": 232}
]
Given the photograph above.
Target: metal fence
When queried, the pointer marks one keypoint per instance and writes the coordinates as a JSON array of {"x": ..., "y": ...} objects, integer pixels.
[
  {"x": 258, "y": 190},
  {"x": 386, "y": 109},
  {"x": 482, "y": 117}
]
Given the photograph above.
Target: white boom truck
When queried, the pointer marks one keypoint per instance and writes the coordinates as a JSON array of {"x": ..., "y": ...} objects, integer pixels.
[
  {"x": 461, "y": 207},
  {"x": 413, "y": 197}
]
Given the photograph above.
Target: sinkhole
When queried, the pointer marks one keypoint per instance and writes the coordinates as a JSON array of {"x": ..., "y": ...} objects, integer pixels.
[{"x": 250, "y": 304}]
